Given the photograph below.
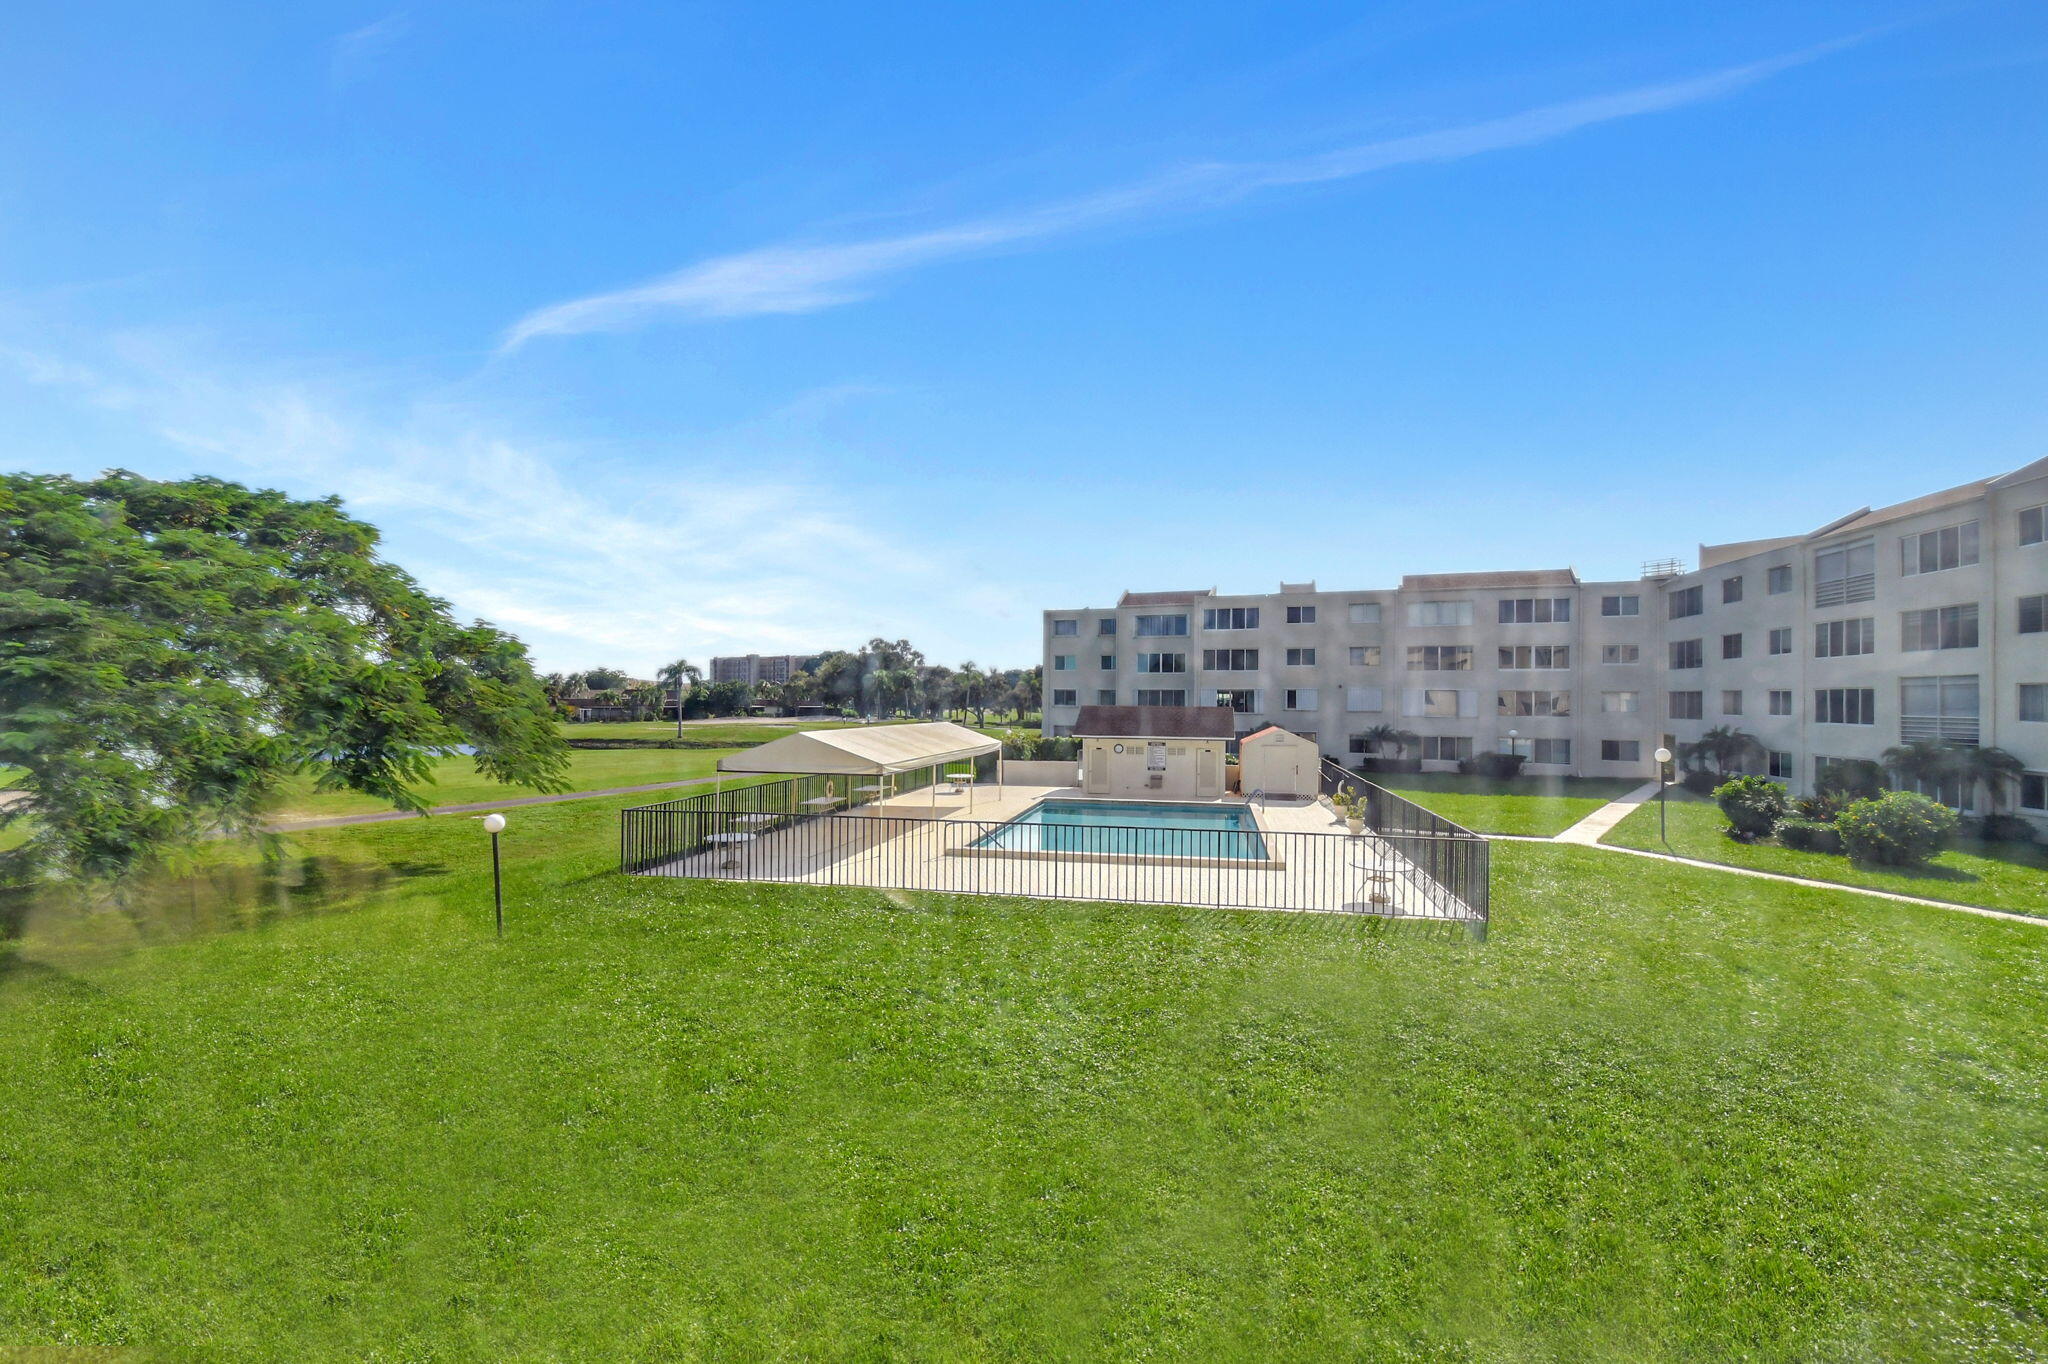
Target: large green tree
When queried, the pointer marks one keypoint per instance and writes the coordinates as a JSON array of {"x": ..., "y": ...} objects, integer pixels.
[{"x": 171, "y": 651}]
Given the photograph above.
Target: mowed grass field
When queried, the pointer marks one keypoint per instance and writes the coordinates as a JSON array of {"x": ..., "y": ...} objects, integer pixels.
[
  {"x": 1664, "y": 1114},
  {"x": 1995, "y": 875},
  {"x": 1533, "y": 806}
]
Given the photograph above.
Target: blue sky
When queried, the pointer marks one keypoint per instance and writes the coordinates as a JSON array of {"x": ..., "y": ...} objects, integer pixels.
[{"x": 647, "y": 331}]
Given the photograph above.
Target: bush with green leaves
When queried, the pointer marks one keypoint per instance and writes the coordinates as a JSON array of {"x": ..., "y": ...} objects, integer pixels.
[
  {"x": 1498, "y": 766},
  {"x": 1699, "y": 781},
  {"x": 1753, "y": 805},
  {"x": 1896, "y": 829},
  {"x": 1809, "y": 835},
  {"x": 2006, "y": 829},
  {"x": 1851, "y": 779}
]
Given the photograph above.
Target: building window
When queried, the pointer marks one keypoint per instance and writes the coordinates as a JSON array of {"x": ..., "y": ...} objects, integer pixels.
[
  {"x": 1301, "y": 615},
  {"x": 1938, "y": 627},
  {"x": 1062, "y": 696},
  {"x": 1244, "y": 702},
  {"x": 1299, "y": 698},
  {"x": 1781, "y": 703},
  {"x": 2033, "y": 791},
  {"x": 1618, "y": 702},
  {"x": 1442, "y": 703},
  {"x": 1519, "y": 703},
  {"x": 1845, "y": 706},
  {"x": 1845, "y": 638},
  {"x": 2033, "y": 525},
  {"x": 1364, "y": 699},
  {"x": 1731, "y": 703},
  {"x": 1535, "y": 610},
  {"x": 1688, "y": 653},
  {"x": 1621, "y": 653},
  {"x": 1106, "y": 697},
  {"x": 1778, "y": 579},
  {"x": 1731, "y": 589},
  {"x": 1062, "y": 663},
  {"x": 1365, "y": 655},
  {"x": 1440, "y": 658},
  {"x": 1687, "y": 601},
  {"x": 1231, "y": 618},
  {"x": 1162, "y": 663},
  {"x": 1445, "y": 748},
  {"x": 1935, "y": 550},
  {"x": 1230, "y": 660},
  {"x": 1106, "y": 626},
  {"x": 1108, "y": 664},
  {"x": 2033, "y": 615},
  {"x": 1548, "y": 752},
  {"x": 1301, "y": 658},
  {"x": 1543, "y": 656},
  {"x": 1365, "y": 613},
  {"x": 1731, "y": 646},
  {"x": 1781, "y": 764},
  {"x": 1162, "y": 625},
  {"x": 1621, "y": 750},
  {"x": 2034, "y": 701},
  {"x": 1621, "y": 606},
  {"x": 1162, "y": 698},
  {"x": 1066, "y": 627},
  {"x": 1845, "y": 574},
  {"x": 1938, "y": 708},
  {"x": 1355, "y": 744},
  {"x": 1440, "y": 613},
  {"x": 1686, "y": 705}
]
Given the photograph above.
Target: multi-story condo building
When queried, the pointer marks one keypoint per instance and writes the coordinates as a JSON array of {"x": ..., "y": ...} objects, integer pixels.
[
  {"x": 1928, "y": 619},
  {"x": 753, "y": 669}
]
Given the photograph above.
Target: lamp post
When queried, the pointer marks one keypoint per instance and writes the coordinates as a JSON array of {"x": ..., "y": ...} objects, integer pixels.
[
  {"x": 495, "y": 825},
  {"x": 1514, "y": 743},
  {"x": 1663, "y": 757}
]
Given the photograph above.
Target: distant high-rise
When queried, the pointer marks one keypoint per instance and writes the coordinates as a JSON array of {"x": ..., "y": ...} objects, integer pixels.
[{"x": 754, "y": 669}]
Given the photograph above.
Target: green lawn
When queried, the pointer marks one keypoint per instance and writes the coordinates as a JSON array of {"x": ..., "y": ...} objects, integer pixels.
[
  {"x": 456, "y": 781},
  {"x": 1994, "y": 875},
  {"x": 1539, "y": 806},
  {"x": 1665, "y": 1114}
]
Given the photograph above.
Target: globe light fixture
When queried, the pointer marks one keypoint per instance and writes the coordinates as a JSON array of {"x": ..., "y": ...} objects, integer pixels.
[
  {"x": 494, "y": 824},
  {"x": 1663, "y": 757}
]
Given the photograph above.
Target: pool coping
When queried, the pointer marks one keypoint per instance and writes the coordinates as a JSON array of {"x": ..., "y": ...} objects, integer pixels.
[{"x": 1266, "y": 863}]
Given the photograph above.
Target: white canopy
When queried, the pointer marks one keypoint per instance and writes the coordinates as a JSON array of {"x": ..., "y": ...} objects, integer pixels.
[{"x": 869, "y": 749}]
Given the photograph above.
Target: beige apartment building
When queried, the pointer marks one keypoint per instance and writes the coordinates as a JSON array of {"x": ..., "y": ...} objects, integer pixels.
[
  {"x": 1928, "y": 619},
  {"x": 754, "y": 669}
]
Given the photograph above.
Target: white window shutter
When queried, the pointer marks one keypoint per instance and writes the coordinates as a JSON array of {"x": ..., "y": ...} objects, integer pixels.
[{"x": 1468, "y": 703}]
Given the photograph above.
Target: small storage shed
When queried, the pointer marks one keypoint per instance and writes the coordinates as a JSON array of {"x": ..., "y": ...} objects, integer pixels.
[
  {"x": 1278, "y": 762},
  {"x": 1165, "y": 752}
]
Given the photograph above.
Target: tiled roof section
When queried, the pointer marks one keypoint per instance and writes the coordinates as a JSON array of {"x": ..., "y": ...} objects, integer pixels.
[
  {"x": 1947, "y": 497},
  {"x": 1154, "y": 722},
  {"x": 1188, "y": 598},
  {"x": 1461, "y": 582}
]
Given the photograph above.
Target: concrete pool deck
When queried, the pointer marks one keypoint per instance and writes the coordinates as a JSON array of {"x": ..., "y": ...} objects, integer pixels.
[{"x": 921, "y": 841}]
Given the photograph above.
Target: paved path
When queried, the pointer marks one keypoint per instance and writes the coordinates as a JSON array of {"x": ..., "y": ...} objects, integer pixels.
[
  {"x": 378, "y": 817},
  {"x": 1594, "y": 827}
]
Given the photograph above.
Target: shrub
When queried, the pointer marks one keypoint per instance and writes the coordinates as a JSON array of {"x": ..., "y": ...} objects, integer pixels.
[
  {"x": 2006, "y": 829},
  {"x": 1852, "y": 779},
  {"x": 1753, "y": 805},
  {"x": 1819, "y": 808},
  {"x": 1382, "y": 764},
  {"x": 1699, "y": 781},
  {"x": 1810, "y": 835},
  {"x": 1493, "y": 765},
  {"x": 1896, "y": 829}
]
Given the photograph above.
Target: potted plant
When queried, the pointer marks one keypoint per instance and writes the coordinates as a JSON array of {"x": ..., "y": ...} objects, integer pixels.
[{"x": 1351, "y": 805}]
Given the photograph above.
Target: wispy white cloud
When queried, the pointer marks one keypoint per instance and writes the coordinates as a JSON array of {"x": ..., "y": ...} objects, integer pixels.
[
  {"x": 588, "y": 559},
  {"x": 356, "y": 54},
  {"x": 802, "y": 278}
]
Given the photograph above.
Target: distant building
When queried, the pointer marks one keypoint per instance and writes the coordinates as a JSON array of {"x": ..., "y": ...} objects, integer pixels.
[
  {"x": 754, "y": 669},
  {"x": 1924, "y": 620}
]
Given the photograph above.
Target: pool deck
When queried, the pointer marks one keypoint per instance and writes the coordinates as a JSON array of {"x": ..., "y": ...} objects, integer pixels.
[{"x": 921, "y": 841}]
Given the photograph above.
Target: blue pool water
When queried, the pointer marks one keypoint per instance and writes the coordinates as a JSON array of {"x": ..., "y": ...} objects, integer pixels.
[{"x": 1135, "y": 828}]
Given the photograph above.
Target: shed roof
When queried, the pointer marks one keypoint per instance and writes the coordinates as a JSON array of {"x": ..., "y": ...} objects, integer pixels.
[
  {"x": 871, "y": 749},
  {"x": 1260, "y": 734},
  {"x": 1154, "y": 722}
]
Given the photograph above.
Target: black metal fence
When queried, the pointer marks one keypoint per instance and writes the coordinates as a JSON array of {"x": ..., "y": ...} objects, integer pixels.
[
  {"x": 1447, "y": 855},
  {"x": 814, "y": 830}
]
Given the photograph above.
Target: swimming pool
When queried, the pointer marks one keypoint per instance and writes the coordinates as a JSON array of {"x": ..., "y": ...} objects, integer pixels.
[{"x": 1131, "y": 828}]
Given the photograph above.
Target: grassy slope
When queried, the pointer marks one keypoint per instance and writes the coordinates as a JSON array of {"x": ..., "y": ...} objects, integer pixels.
[
  {"x": 1995, "y": 875},
  {"x": 1527, "y": 805},
  {"x": 1664, "y": 1114}
]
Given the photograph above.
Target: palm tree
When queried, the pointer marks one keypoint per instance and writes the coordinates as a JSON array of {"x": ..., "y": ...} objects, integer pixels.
[
  {"x": 1924, "y": 762},
  {"x": 971, "y": 687},
  {"x": 1379, "y": 736},
  {"x": 1723, "y": 746},
  {"x": 1992, "y": 768},
  {"x": 674, "y": 676}
]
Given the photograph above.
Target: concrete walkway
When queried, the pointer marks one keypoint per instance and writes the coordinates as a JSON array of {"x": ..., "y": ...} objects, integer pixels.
[
  {"x": 1594, "y": 827},
  {"x": 281, "y": 826}
]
